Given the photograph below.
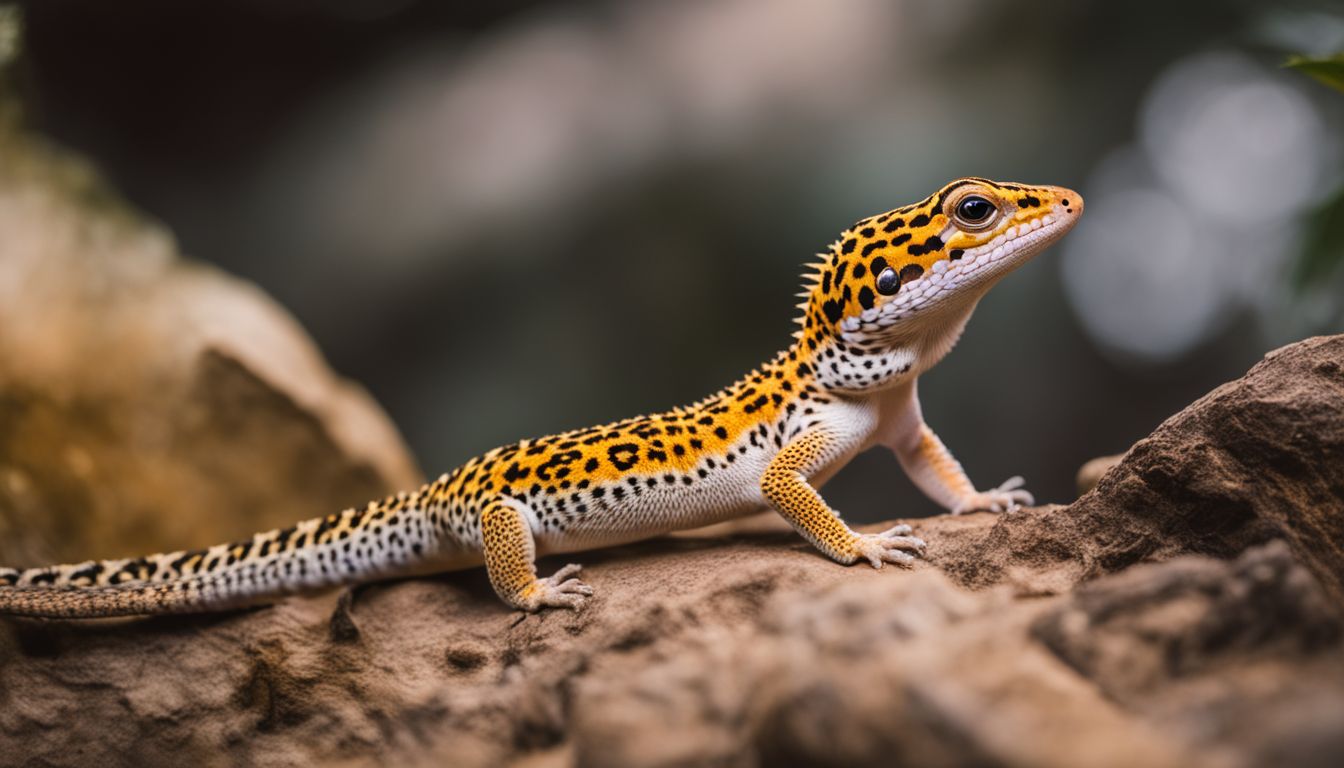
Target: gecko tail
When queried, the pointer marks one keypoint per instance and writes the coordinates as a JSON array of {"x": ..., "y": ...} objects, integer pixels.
[
  {"x": 71, "y": 602},
  {"x": 394, "y": 537}
]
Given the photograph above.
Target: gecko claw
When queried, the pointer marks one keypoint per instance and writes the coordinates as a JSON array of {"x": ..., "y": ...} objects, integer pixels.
[
  {"x": 560, "y": 590},
  {"x": 888, "y": 547},
  {"x": 1008, "y": 497}
]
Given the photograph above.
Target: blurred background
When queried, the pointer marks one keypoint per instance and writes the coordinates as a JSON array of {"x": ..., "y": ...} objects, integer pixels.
[{"x": 513, "y": 218}]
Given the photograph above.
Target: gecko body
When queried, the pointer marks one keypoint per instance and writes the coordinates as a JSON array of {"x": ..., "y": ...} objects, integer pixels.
[{"x": 882, "y": 305}]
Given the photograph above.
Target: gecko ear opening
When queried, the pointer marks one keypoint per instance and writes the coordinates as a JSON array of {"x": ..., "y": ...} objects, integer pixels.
[{"x": 888, "y": 282}]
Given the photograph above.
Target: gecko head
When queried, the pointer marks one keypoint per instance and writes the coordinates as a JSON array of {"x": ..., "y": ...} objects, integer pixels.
[{"x": 889, "y": 271}]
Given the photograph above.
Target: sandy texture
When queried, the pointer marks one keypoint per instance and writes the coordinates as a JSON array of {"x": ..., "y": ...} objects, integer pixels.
[
  {"x": 149, "y": 403},
  {"x": 1185, "y": 613}
]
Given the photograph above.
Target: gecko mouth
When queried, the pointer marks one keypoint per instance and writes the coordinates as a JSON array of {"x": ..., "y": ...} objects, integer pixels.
[{"x": 976, "y": 266}]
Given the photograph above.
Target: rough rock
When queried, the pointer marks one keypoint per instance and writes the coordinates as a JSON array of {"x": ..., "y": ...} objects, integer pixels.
[
  {"x": 1184, "y": 613},
  {"x": 1257, "y": 459},
  {"x": 148, "y": 402}
]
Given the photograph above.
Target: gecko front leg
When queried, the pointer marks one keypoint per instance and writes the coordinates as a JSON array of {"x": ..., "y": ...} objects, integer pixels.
[
  {"x": 936, "y": 472},
  {"x": 511, "y": 562},
  {"x": 784, "y": 484}
]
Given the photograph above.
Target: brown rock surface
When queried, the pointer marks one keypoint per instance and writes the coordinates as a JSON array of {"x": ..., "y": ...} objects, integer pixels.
[
  {"x": 147, "y": 402},
  {"x": 1185, "y": 613}
]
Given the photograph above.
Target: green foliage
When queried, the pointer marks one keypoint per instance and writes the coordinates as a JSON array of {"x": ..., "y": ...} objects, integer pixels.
[
  {"x": 11, "y": 46},
  {"x": 1328, "y": 70},
  {"x": 1323, "y": 249},
  {"x": 1322, "y": 254}
]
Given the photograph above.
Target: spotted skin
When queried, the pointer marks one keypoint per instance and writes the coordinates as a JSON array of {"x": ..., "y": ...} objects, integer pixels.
[
  {"x": 510, "y": 560},
  {"x": 883, "y": 304},
  {"x": 786, "y": 486}
]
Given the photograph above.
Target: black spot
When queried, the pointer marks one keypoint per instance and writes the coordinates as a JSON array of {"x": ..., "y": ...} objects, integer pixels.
[
  {"x": 623, "y": 456},
  {"x": 894, "y": 225},
  {"x": 848, "y": 247},
  {"x": 187, "y": 556},
  {"x": 873, "y": 246},
  {"x": 867, "y": 232},
  {"x": 860, "y": 271},
  {"x": 826, "y": 282},
  {"x": 922, "y": 220},
  {"x": 327, "y": 524},
  {"x": 1029, "y": 201},
  {"x": 878, "y": 265},
  {"x": 955, "y": 253},
  {"x": 515, "y": 473},
  {"x": 900, "y": 239},
  {"x": 590, "y": 465},
  {"x": 934, "y": 243},
  {"x": 559, "y": 460},
  {"x": 833, "y": 310},
  {"x": 866, "y": 297},
  {"x": 89, "y": 573},
  {"x": 721, "y": 433},
  {"x": 1065, "y": 201}
]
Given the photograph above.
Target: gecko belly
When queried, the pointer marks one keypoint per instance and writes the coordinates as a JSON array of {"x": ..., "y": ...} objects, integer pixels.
[{"x": 644, "y": 506}]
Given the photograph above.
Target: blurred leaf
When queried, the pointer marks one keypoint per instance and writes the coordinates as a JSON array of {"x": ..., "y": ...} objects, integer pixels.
[
  {"x": 11, "y": 31},
  {"x": 1329, "y": 70},
  {"x": 1322, "y": 255},
  {"x": 1323, "y": 247}
]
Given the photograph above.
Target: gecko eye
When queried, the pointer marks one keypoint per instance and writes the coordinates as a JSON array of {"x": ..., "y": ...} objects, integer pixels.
[
  {"x": 888, "y": 282},
  {"x": 975, "y": 210}
]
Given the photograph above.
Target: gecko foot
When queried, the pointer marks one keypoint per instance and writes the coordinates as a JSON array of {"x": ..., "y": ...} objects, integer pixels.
[
  {"x": 560, "y": 590},
  {"x": 888, "y": 546},
  {"x": 1006, "y": 498}
]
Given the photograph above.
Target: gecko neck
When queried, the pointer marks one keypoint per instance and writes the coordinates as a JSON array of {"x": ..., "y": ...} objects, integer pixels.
[{"x": 855, "y": 365}]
